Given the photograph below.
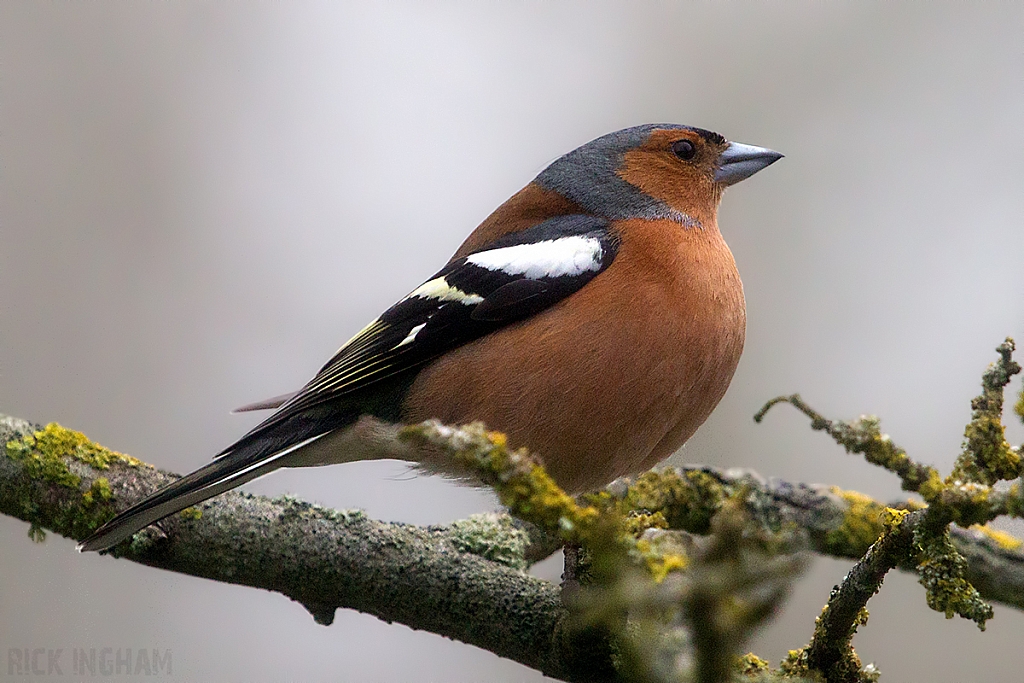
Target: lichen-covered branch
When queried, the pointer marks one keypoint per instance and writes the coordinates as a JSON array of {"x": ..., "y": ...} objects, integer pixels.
[
  {"x": 324, "y": 559},
  {"x": 920, "y": 539},
  {"x": 986, "y": 456},
  {"x": 58, "y": 479},
  {"x": 647, "y": 611},
  {"x": 837, "y": 523},
  {"x": 862, "y": 436},
  {"x": 830, "y": 650}
]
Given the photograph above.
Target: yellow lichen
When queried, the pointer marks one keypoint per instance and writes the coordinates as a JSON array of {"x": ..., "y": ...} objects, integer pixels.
[
  {"x": 892, "y": 518},
  {"x": 665, "y": 565},
  {"x": 661, "y": 561},
  {"x": 99, "y": 492},
  {"x": 751, "y": 665},
  {"x": 43, "y": 454},
  {"x": 932, "y": 487},
  {"x": 639, "y": 522},
  {"x": 41, "y": 463},
  {"x": 192, "y": 513},
  {"x": 687, "y": 501},
  {"x": 535, "y": 497},
  {"x": 862, "y": 525},
  {"x": 47, "y": 456},
  {"x": 520, "y": 481},
  {"x": 1000, "y": 538}
]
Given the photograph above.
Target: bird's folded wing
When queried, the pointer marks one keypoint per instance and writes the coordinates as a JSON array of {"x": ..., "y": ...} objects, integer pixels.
[{"x": 512, "y": 278}]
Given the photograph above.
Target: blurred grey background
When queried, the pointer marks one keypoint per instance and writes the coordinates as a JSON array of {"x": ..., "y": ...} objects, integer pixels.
[{"x": 201, "y": 201}]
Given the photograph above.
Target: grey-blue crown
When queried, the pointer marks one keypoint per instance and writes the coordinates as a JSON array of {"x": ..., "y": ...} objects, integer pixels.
[{"x": 588, "y": 176}]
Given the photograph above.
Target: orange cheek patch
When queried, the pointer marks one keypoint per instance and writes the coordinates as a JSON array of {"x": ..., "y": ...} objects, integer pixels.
[{"x": 661, "y": 175}]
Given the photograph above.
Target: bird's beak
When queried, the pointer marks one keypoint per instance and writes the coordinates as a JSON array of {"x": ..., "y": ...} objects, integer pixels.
[{"x": 739, "y": 162}]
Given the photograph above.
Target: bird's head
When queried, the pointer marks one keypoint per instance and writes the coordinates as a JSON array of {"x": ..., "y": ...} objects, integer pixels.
[{"x": 654, "y": 171}]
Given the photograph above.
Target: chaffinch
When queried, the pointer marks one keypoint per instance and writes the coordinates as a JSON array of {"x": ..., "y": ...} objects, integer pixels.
[{"x": 596, "y": 317}]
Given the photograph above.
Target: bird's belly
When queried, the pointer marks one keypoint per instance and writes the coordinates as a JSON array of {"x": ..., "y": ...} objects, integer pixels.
[{"x": 595, "y": 396}]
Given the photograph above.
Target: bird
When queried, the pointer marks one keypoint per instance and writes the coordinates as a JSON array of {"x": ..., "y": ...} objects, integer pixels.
[{"x": 596, "y": 318}]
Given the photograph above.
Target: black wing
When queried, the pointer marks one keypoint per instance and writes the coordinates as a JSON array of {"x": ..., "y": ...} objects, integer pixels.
[{"x": 513, "y": 278}]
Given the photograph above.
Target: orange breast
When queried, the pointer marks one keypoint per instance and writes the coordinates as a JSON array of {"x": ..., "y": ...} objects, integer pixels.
[{"x": 614, "y": 378}]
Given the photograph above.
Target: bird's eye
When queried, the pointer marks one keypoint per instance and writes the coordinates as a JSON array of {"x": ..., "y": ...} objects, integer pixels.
[{"x": 684, "y": 149}]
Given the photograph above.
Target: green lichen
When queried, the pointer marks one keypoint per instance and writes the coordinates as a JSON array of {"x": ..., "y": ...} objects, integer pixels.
[
  {"x": 991, "y": 458},
  {"x": 293, "y": 508},
  {"x": 493, "y": 537},
  {"x": 343, "y": 516},
  {"x": 1012, "y": 504},
  {"x": 96, "y": 508},
  {"x": 966, "y": 497},
  {"x": 966, "y": 503},
  {"x": 795, "y": 666},
  {"x": 842, "y": 666},
  {"x": 942, "y": 571},
  {"x": 863, "y": 436},
  {"x": 932, "y": 488},
  {"x": 831, "y": 648},
  {"x": 638, "y": 522}
]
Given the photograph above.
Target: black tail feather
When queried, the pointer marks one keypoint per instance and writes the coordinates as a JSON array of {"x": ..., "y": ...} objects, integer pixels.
[
  {"x": 260, "y": 451},
  {"x": 254, "y": 455}
]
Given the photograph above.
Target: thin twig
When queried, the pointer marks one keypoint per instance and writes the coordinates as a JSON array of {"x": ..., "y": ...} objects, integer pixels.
[
  {"x": 830, "y": 650},
  {"x": 862, "y": 436}
]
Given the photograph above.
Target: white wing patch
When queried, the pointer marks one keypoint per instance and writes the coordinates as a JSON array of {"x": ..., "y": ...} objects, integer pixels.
[
  {"x": 411, "y": 337},
  {"x": 439, "y": 290},
  {"x": 565, "y": 256}
]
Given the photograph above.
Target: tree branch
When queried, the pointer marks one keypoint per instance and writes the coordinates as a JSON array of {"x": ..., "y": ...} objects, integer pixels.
[
  {"x": 433, "y": 579},
  {"x": 838, "y": 523},
  {"x": 831, "y": 650},
  {"x": 463, "y": 581}
]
